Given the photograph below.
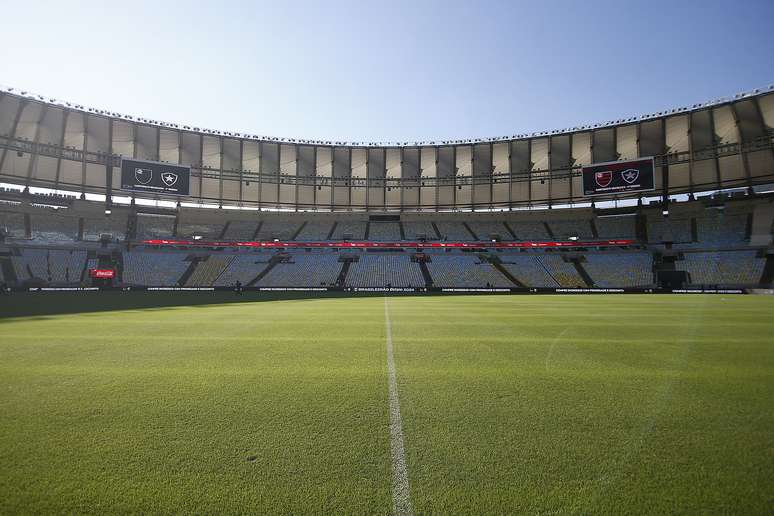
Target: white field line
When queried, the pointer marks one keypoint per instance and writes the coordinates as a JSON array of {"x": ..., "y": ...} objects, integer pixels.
[{"x": 401, "y": 492}]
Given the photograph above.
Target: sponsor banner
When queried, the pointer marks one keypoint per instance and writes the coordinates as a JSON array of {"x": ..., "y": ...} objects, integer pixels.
[
  {"x": 102, "y": 273},
  {"x": 152, "y": 176},
  {"x": 186, "y": 289},
  {"x": 618, "y": 177},
  {"x": 418, "y": 245},
  {"x": 429, "y": 291}
]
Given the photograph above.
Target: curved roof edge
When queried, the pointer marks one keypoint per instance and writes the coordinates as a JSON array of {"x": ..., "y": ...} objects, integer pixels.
[{"x": 275, "y": 139}]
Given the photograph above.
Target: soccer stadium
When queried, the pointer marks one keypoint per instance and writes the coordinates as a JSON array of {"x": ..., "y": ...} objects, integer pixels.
[{"x": 576, "y": 320}]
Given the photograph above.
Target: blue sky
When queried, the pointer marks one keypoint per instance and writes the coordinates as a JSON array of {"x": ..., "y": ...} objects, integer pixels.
[{"x": 388, "y": 71}]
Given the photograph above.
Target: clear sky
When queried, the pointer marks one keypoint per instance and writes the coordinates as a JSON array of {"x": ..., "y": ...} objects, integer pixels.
[{"x": 387, "y": 71}]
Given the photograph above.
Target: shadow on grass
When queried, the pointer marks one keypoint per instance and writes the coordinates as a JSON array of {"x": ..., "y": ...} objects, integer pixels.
[{"x": 39, "y": 304}]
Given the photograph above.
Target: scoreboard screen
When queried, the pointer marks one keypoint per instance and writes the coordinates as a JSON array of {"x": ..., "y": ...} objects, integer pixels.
[
  {"x": 618, "y": 177},
  {"x": 155, "y": 177}
]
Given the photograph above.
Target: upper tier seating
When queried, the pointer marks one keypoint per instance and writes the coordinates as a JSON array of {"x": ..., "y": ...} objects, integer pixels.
[
  {"x": 315, "y": 231},
  {"x": 188, "y": 230},
  {"x": 380, "y": 270},
  {"x": 154, "y": 226},
  {"x": 282, "y": 230},
  {"x": 530, "y": 230},
  {"x": 717, "y": 228},
  {"x": 484, "y": 230},
  {"x": 96, "y": 226},
  {"x": 451, "y": 230},
  {"x": 240, "y": 230},
  {"x": 668, "y": 229},
  {"x": 414, "y": 229},
  {"x": 54, "y": 227},
  {"x": 384, "y": 231},
  {"x": 355, "y": 228},
  {"x": 12, "y": 223},
  {"x": 616, "y": 227},
  {"x": 563, "y": 229}
]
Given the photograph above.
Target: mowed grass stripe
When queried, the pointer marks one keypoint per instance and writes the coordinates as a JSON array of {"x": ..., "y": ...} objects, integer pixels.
[
  {"x": 524, "y": 417},
  {"x": 146, "y": 421}
]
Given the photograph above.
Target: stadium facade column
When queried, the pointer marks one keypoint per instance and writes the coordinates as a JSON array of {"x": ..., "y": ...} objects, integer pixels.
[
  {"x": 65, "y": 116},
  {"x": 83, "y": 154},
  {"x": 490, "y": 168},
  {"x": 437, "y": 180},
  {"x": 201, "y": 165},
  {"x": 400, "y": 181},
  {"x": 472, "y": 177},
  {"x": 759, "y": 112},
  {"x": 241, "y": 168},
  {"x": 570, "y": 164},
  {"x": 742, "y": 141},
  {"x": 550, "y": 172},
  {"x": 690, "y": 151},
  {"x": 109, "y": 166},
  {"x": 36, "y": 140},
  {"x": 510, "y": 175},
  {"x": 715, "y": 158},
  {"x": 14, "y": 127},
  {"x": 220, "y": 171},
  {"x": 260, "y": 174}
]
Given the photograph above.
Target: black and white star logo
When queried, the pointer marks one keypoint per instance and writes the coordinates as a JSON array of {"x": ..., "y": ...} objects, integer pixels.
[
  {"x": 169, "y": 178},
  {"x": 630, "y": 175}
]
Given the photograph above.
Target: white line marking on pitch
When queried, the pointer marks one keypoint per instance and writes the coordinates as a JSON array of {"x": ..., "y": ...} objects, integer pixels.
[{"x": 401, "y": 492}]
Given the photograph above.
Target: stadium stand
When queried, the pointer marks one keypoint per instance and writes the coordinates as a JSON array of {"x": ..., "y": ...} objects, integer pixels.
[
  {"x": 143, "y": 268},
  {"x": 55, "y": 266},
  {"x": 384, "y": 231},
  {"x": 616, "y": 227},
  {"x": 415, "y": 229},
  {"x": 154, "y": 226},
  {"x": 206, "y": 231},
  {"x": 240, "y": 230},
  {"x": 13, "y": 224},
  {"x": 529, "y": 230},
  {"x": 354, "y": 228},
  {"x": 97, "y": 225},
  {"x": 316, "y": 231},
  {"x": 527, "y": 268},
  {"x": 563, "y": 229},
  {"x": 563, "y": 272},
  {"x": 723, "y": 268},
  {"x": 209, "y": 270},
  {"x": 464, "y": 271},
  {"x": 379, "y": 270},
  {"x": 303, "y": 270},
  {"x": 454, "y": 231},
  {"x": 485, "y": 230},
  {"x": 668, "y": 229},
  {"x": 719, "y": 229},
  {"x": 281, "y": 230},
  {"x": 609, "y": 270},
  {"x": 243, "y": 269},
  {"x": 51, "y": 226}
]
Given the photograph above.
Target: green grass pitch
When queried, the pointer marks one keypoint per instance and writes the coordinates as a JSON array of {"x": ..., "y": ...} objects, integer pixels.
[{"x": 218, "y": 404}]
